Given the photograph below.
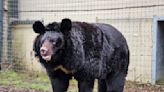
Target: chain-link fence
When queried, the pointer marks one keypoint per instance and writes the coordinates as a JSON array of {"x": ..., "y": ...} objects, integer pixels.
[{"x": 134, "y": 18}]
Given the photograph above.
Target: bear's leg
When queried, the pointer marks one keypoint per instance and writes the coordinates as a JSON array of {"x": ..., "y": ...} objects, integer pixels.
[
  {"x": 86, "y": 86},
  {"x": 59, "y": 85},
  {"x": 101, "y": 85},
  {"x": 116, "y": 82},
  {"x": 59, "y": 80}
]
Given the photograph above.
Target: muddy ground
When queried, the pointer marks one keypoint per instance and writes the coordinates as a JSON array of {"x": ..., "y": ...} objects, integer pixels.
[
  {"x": 136, "y": 88},
  {"x": 14, "y": 89}
]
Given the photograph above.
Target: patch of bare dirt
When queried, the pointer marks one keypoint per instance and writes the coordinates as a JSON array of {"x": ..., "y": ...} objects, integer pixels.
[
  {"x": 128, "y": 88},
  {"x": 131, "y": 87},
  {"x": 14, "y": 89}
]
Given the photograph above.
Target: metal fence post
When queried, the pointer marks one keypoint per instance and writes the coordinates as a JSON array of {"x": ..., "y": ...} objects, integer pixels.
[{"x": 1, "y": 30}]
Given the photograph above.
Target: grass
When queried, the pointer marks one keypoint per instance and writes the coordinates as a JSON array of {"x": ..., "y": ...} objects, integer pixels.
[
  {"x": 41, "y": 82},
  {"x": 30, "y": 81},
  {"x": 25, "y": 80}
]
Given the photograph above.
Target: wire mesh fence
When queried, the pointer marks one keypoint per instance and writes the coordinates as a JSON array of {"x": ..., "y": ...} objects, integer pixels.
[{"x": 134, "y": 18}]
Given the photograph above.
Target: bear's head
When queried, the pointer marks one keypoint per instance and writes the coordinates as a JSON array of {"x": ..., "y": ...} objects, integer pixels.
[{"x": 50, "y": 42}]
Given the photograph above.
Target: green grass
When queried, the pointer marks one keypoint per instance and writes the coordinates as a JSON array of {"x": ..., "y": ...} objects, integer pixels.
[
  {"x": 30, "y": 81},
  {"x": 34, "y": 80},
  {"x": 25, "y": 80},
  {"x": 40, "y": 81}
]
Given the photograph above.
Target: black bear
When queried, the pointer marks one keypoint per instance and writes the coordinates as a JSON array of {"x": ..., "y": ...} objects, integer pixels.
[{"x": 86, "y": 51}]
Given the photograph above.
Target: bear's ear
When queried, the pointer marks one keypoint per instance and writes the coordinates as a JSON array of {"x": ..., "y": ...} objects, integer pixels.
[
  {"x": 38, "y": 27},
  {"x": 65, "y": 25}
]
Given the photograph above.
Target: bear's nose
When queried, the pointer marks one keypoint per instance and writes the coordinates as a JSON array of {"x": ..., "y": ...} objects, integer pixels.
[{"x": 43, "y": 51}]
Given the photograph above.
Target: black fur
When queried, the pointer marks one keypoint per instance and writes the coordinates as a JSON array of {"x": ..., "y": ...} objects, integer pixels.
[
  {"x": 38, "y": 27},
  {"x": 90, "y": 50}
]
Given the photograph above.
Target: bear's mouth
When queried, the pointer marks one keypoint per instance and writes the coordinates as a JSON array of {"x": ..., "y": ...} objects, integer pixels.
[
  {"x": 46, "y": 58},
  {"x": 46, "y": 51},
  {"x": 46, "y": 54}
]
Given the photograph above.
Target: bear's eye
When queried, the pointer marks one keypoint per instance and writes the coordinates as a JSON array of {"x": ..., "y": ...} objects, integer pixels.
[
  {"x": 58, "y": 42},
  {"x": 53, "y": 42}
]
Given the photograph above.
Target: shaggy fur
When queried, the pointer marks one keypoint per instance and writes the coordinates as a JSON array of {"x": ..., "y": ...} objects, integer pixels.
[{"x": 89, "y": 50}]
